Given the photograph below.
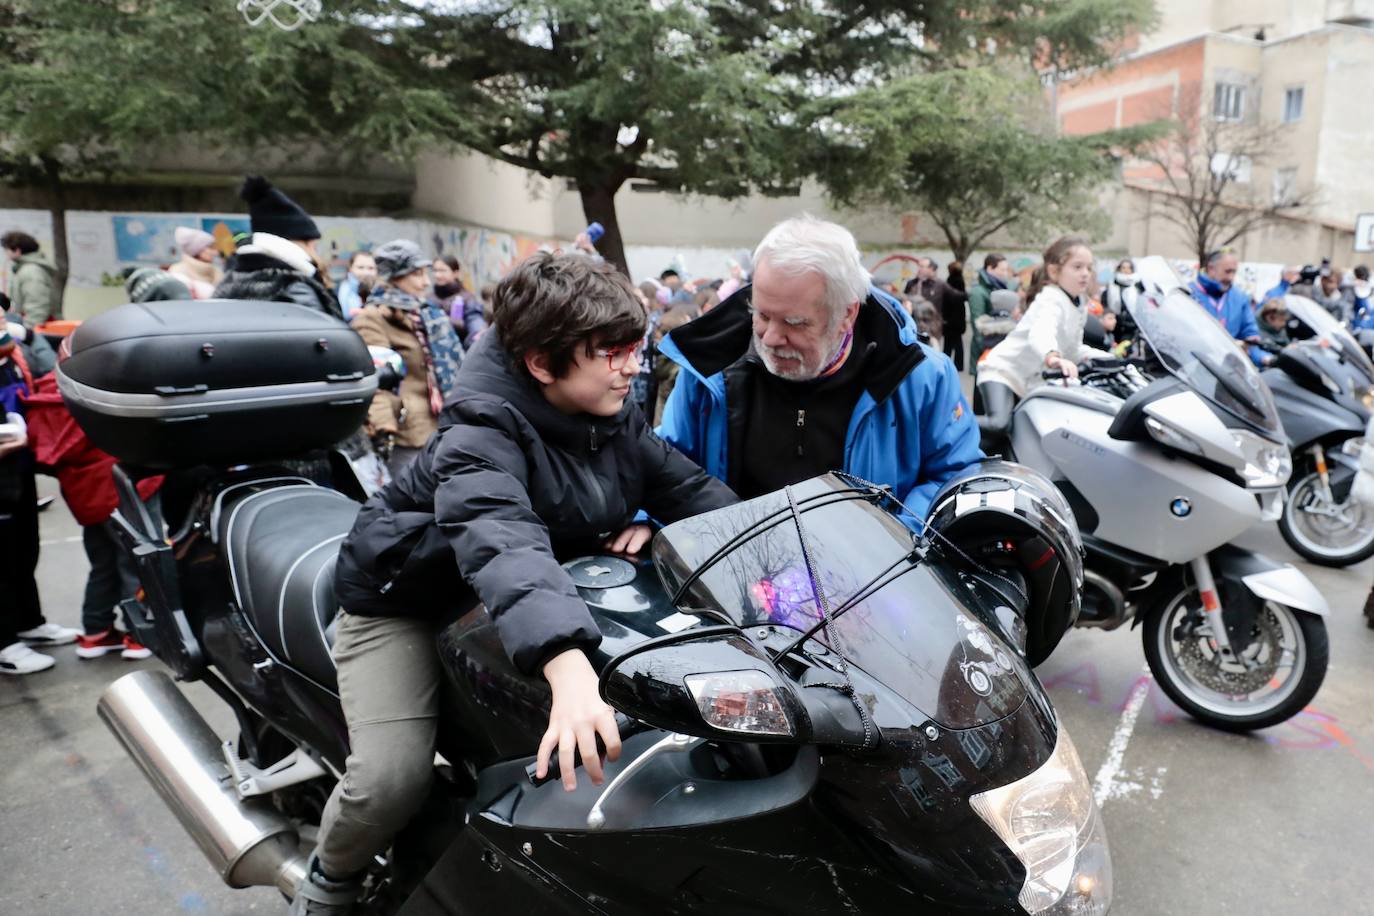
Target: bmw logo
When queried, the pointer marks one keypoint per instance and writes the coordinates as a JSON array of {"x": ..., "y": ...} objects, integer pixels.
[{"x": 1181, "y": 508}]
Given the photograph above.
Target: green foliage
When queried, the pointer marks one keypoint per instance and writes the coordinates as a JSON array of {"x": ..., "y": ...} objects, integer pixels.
[
  {"x": 975, "y": 150},
  {"x": 97, "y": 82},
  {"x": 721, "y": 97}
]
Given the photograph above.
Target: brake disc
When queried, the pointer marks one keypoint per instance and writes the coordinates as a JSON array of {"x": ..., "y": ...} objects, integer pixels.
[{"x": 1204, "y": 664}]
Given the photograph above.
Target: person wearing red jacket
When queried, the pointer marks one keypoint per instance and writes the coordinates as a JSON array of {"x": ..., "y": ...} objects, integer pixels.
[
  {"x": 84, "y": 474},
  {"x": 22, "y": 625}
]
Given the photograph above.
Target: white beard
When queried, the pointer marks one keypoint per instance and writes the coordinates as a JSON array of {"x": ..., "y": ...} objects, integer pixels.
[{"x": 804, "y": 371}]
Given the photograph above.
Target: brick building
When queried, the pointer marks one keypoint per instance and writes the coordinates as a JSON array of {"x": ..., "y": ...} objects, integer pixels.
[{"x": 1305, "y": 67}]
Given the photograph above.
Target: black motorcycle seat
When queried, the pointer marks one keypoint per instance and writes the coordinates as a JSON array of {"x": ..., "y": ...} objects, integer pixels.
[{"x": 281, "y": 545}]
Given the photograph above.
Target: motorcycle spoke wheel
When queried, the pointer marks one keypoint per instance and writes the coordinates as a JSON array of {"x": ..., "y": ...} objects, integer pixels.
[
  {"x": 1278, "y": 672},
  {"x": 1330, "y": 534}
]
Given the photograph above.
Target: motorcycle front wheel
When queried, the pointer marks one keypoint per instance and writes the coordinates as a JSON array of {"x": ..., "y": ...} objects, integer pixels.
[
  {"x": 1287, "y": 656},
  {"x": 1329, "y": 534}
]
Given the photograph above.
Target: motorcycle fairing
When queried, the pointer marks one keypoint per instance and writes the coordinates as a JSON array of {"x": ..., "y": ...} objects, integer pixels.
[
  {"x": 859, "y": 839},
  {"x": 1079, "y": 446},
  {"x": 1310, "y": 416}
]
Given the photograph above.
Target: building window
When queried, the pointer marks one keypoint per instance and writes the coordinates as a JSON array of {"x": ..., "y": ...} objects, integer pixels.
[
  {"x": 1285, "y": 185},
  {"x": 1229, "y": 102},
  {"x": 1231, "y": 167},
  {"x": 1292, "y": 105}
]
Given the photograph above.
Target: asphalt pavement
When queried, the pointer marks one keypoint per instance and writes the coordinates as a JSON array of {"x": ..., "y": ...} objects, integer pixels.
[{"x": 1278, "y": 823}]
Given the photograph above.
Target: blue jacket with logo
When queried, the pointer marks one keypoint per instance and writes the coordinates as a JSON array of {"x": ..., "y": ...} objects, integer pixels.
[
  {"x": 1232, "y": 308},
  {"x": 911, "y": 428}
]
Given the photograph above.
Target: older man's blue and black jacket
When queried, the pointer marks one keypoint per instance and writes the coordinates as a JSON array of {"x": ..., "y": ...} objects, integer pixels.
[{"x": 911, "y": 428}]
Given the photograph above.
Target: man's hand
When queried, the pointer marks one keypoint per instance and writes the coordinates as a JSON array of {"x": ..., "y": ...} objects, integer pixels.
[
  {"x": 630, "y": 541},
  {"x": 578, "y": 715},
  {"x": 583, "y": 242}
]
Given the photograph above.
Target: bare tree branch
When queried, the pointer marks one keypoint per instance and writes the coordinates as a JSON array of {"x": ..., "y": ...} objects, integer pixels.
[{"x": 1205, "y": 180}]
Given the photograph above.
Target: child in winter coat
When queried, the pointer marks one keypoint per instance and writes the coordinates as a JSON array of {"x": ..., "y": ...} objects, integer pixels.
[
  {"x": 538, "y": 456},
  {"x": 85, "y": 475},
  {"x": 21, "y": 616},
  {"x": 1048, "y": 336}
]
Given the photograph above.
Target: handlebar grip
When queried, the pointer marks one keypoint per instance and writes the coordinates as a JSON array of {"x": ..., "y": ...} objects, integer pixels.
[
  {"x": 1051, "y": 375},
  {"x": 624, "y": 723}
]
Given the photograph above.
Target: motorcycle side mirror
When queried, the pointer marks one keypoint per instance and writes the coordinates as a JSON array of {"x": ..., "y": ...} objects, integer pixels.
[{"x": 708, "y": 682}]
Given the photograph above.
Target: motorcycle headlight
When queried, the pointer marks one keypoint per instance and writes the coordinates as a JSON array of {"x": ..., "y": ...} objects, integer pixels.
[
  {"x": 1050, "y": 820},
  {"x": 1267, "y": 464}
]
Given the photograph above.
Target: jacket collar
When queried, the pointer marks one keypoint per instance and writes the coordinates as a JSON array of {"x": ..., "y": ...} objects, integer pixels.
[
  {"x": 1054, "y": 291},
  {"x": 488, "y": 371},
  {"x": 1211, "y": 287},
  {"x": 723, "y": 338},
  {"x": 274, "y": 246},
  {"x": 991, "y": 281}
]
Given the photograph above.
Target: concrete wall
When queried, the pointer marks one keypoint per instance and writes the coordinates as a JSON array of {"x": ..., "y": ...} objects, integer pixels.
[
  {"x": 1344, "y": 159},
  {"x": 1181, "y": 19},
  {"x": 1178, "y": 20},
  {"x": 474, "y": 189},
  {"x": 102, "y": 244},
  {"x": 1297, "y": 62}
]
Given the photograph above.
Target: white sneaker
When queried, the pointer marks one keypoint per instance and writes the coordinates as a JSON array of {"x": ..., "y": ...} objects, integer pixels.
[
  {"x": 20, "y": 659},
  {"x": 49, "y": 634}
]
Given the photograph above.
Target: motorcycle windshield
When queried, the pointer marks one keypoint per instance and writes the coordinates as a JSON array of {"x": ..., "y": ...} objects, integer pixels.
[
  {"x": 1330, "y": 333},
  {"x": 1197, "y": 349},
  {"x": 913, "y": 623}
]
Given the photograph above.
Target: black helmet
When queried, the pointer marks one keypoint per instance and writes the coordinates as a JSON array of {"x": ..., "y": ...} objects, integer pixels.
[{"x": 998, "y": 513}]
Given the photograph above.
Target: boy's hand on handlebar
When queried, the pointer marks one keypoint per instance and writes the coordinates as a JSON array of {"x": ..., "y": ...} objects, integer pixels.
[
  {"x": 577, "y": 717},
  {"x": 630, "y": 541}
]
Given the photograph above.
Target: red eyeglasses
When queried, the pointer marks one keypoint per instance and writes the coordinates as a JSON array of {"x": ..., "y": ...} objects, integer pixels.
[{"x": 617, "y": 357}]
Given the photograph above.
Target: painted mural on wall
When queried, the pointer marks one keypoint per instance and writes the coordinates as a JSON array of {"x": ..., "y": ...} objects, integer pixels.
[{"x": 101, "y": 244}]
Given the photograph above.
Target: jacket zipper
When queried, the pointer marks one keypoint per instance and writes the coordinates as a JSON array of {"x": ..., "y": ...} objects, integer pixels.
[
  {"x": 593, "y": 436},
  {"x": 801, "y": 432}
]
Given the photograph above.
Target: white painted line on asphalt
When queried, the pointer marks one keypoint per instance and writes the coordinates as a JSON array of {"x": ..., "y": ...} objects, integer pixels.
[
  {"x": 70, "y": 540},
  {"x": 1116, "y": 748}
]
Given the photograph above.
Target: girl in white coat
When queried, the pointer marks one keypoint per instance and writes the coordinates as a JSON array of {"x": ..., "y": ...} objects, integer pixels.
[{"x": 1048, "y": 336}]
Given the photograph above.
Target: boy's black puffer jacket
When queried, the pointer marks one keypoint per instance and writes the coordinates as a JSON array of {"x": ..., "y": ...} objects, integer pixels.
[{"x": 507, "y": 484}]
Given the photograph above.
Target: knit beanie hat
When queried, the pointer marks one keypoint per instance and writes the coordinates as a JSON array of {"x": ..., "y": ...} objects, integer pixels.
[
  {"x": 148, "y": 284},
  {"x": 398, "y": 258},
  {"x": 1003, "y": 300},
  {"x": 273, "y": 212},
  {"x": 193, "y": 241}
]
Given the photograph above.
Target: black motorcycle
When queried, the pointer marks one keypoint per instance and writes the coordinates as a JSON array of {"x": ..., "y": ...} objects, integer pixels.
[
  {"x": 823, "y": 711},
  {"x": 1323, "y": 386}
]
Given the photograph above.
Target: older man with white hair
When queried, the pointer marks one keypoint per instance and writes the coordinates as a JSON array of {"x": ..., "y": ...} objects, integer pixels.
[{"x": 811, "y": 369}]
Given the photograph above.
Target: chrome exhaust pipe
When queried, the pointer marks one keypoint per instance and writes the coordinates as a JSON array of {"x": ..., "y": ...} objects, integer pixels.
[
  {"x": 248, "y": 841},
  {"x": 1115, "y": 610}
]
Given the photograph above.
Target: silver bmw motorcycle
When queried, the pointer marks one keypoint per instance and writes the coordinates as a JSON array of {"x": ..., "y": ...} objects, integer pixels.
[{"x": 1163, "y": 468}]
